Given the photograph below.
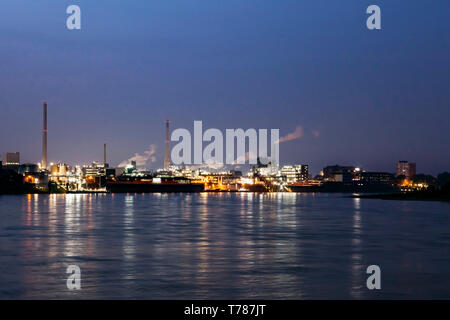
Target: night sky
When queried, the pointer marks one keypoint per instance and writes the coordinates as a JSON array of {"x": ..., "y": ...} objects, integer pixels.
[{"x": 366, "y": 98}]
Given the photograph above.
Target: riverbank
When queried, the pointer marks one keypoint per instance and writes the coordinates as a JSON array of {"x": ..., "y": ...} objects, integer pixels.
[
  {"x": 34, "y": 191},
  {"x": 412, "y": 196}
]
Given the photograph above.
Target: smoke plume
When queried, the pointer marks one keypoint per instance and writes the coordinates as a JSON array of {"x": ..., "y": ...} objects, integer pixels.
[
  {"x": 297, "y": 134},
  {"x": 141, "y": 159}
]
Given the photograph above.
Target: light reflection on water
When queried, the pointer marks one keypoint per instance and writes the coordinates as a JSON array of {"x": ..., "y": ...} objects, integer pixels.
[{"x": 239, "y": 245}]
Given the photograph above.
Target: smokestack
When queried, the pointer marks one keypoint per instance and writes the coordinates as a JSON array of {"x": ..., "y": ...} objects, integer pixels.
[
  {"x": 104, "y": 153},
  {"x": 44, "y": 138},
  {"x": 167, "y": 157}
]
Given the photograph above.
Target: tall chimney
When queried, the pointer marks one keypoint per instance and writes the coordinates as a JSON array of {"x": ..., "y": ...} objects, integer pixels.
[
  {"x": 104, "y": 153},
  {"x": 44, "y": 139},
  {"x": 167, "y": 157}
]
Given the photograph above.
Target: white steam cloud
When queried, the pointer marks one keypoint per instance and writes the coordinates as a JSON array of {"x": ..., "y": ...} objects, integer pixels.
[
  {"x": 297, "y": 134},
  {"x": 142, "y": 159}
]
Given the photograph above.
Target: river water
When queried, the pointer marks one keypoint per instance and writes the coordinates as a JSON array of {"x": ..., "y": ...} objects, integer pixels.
[{"x": 222, "y": 246}]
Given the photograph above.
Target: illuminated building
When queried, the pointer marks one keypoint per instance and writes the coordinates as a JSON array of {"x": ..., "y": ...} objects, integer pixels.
[
  {"x": 63, "y": 175},
  {"x": 407, "y": 169},
  {"x": 94, "y": 175},
  {"x": 295, "y": 173},
  {"x": 265, "y": 168},
  {"x": 338, "y": 173},
  {"x": 222, "y": 181},
  {"x": 94, "y": 169},
  {"x": 60, "y": 169},
  {"x": 11, "y": 160},
  {"x": 374, "y": 178}
]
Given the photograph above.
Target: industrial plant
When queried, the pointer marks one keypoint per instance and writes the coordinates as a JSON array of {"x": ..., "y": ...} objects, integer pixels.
[{"x": 263, "y": 177}]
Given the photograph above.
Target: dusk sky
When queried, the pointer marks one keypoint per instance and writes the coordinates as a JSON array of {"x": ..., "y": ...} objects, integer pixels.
[{"x": 365, "y": 98}]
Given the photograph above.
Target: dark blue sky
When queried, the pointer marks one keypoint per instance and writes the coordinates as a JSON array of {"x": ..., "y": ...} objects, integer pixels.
[{"x": 374, "y": 97}]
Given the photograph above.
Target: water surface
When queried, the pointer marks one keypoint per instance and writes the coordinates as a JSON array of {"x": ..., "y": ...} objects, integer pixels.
[{"x": 222, "y": 246}]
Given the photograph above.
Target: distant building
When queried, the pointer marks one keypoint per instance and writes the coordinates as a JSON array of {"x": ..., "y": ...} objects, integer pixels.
[
  {"x": 94, "y": 175},
  {"x": 93, "y": 170},
  {"x": 338, "y": 173},
  {"x": 361, "y": 181},
  {"x": 264, "y": 168},
  {"x": 407, "y": 169},
  {"x": 11, "y": 160},
  {"x": 375, "y": 178},
  {"x": 60, "y": 169},
  {"x": 28, "y": 168},
  {"x": 295, "y": 173}
]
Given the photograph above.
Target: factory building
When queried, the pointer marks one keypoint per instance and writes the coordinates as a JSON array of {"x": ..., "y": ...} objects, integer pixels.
[
  {"x": 294, "y": 173},
  {"x": 11, "y": 161},
  {"x": 407, "y": 169}
]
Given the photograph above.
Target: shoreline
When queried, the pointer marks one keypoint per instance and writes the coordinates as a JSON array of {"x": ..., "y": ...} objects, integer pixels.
[{"x": 409, "y": 196}]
